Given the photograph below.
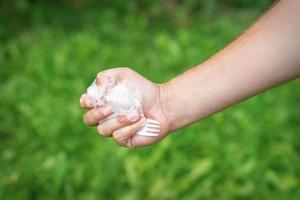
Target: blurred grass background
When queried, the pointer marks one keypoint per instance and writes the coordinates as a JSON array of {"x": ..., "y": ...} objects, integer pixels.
[{"x": 51, "y": 50}]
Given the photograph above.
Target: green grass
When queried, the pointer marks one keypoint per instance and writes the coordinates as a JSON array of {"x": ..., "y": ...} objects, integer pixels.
[{"x": 250, "y": 151}]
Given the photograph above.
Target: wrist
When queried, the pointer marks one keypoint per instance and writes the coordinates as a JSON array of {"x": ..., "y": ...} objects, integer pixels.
[
  {"x": 165, "y": 101},
  {"x": 170, "y": 106},
  {"x": 185, "y": 102}
]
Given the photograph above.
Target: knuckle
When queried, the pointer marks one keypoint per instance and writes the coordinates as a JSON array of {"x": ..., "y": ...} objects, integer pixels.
[
  {"x": 99, "y": 74},
  {"x": 126, "y": 69},
  {"x": 103, "y": 73},
  {"x": 98, "y": 79}
]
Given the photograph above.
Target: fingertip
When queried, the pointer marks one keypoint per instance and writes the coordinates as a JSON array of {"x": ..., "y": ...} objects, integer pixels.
[
  {"x": 85, "y": 101},
  {"x": 81, "y": 100},
  {"x": 84, "y": 119},
  {"x": 119, "y": 138},
  {"x": 101, "y": 131},
  {"x": 109, "y": 77}
]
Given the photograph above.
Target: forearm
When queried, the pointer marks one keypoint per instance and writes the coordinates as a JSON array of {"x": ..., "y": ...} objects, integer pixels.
[{"x": 263, "y": 57}]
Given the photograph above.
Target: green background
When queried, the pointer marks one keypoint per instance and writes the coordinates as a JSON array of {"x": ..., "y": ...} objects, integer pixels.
[{"x": 51, "y": 50}]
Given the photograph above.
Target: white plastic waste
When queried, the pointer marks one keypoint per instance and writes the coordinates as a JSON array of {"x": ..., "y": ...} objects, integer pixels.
[{"x": 124, "y": 99}]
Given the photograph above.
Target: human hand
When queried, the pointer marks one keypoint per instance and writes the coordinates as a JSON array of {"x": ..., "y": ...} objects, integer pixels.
[{"x": 122, "y": 128}]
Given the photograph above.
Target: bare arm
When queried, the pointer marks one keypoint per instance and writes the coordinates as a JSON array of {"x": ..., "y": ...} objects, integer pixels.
[{"x": 266, "y": 55}]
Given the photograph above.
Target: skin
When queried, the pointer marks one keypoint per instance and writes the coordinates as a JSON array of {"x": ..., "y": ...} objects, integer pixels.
[{"x": 265, "y": 56}]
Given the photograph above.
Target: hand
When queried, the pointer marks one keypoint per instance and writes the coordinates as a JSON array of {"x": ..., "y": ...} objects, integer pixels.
[{"x": 123, "y": 128}]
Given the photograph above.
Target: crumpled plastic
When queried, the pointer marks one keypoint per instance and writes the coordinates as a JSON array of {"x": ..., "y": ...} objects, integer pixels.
[{"x": 122, "y": 96}]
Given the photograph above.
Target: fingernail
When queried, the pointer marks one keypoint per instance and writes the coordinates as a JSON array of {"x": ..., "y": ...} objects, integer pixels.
[
  {"x": 107, "y": 110},
  {"x": 133, "y": 116}
]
